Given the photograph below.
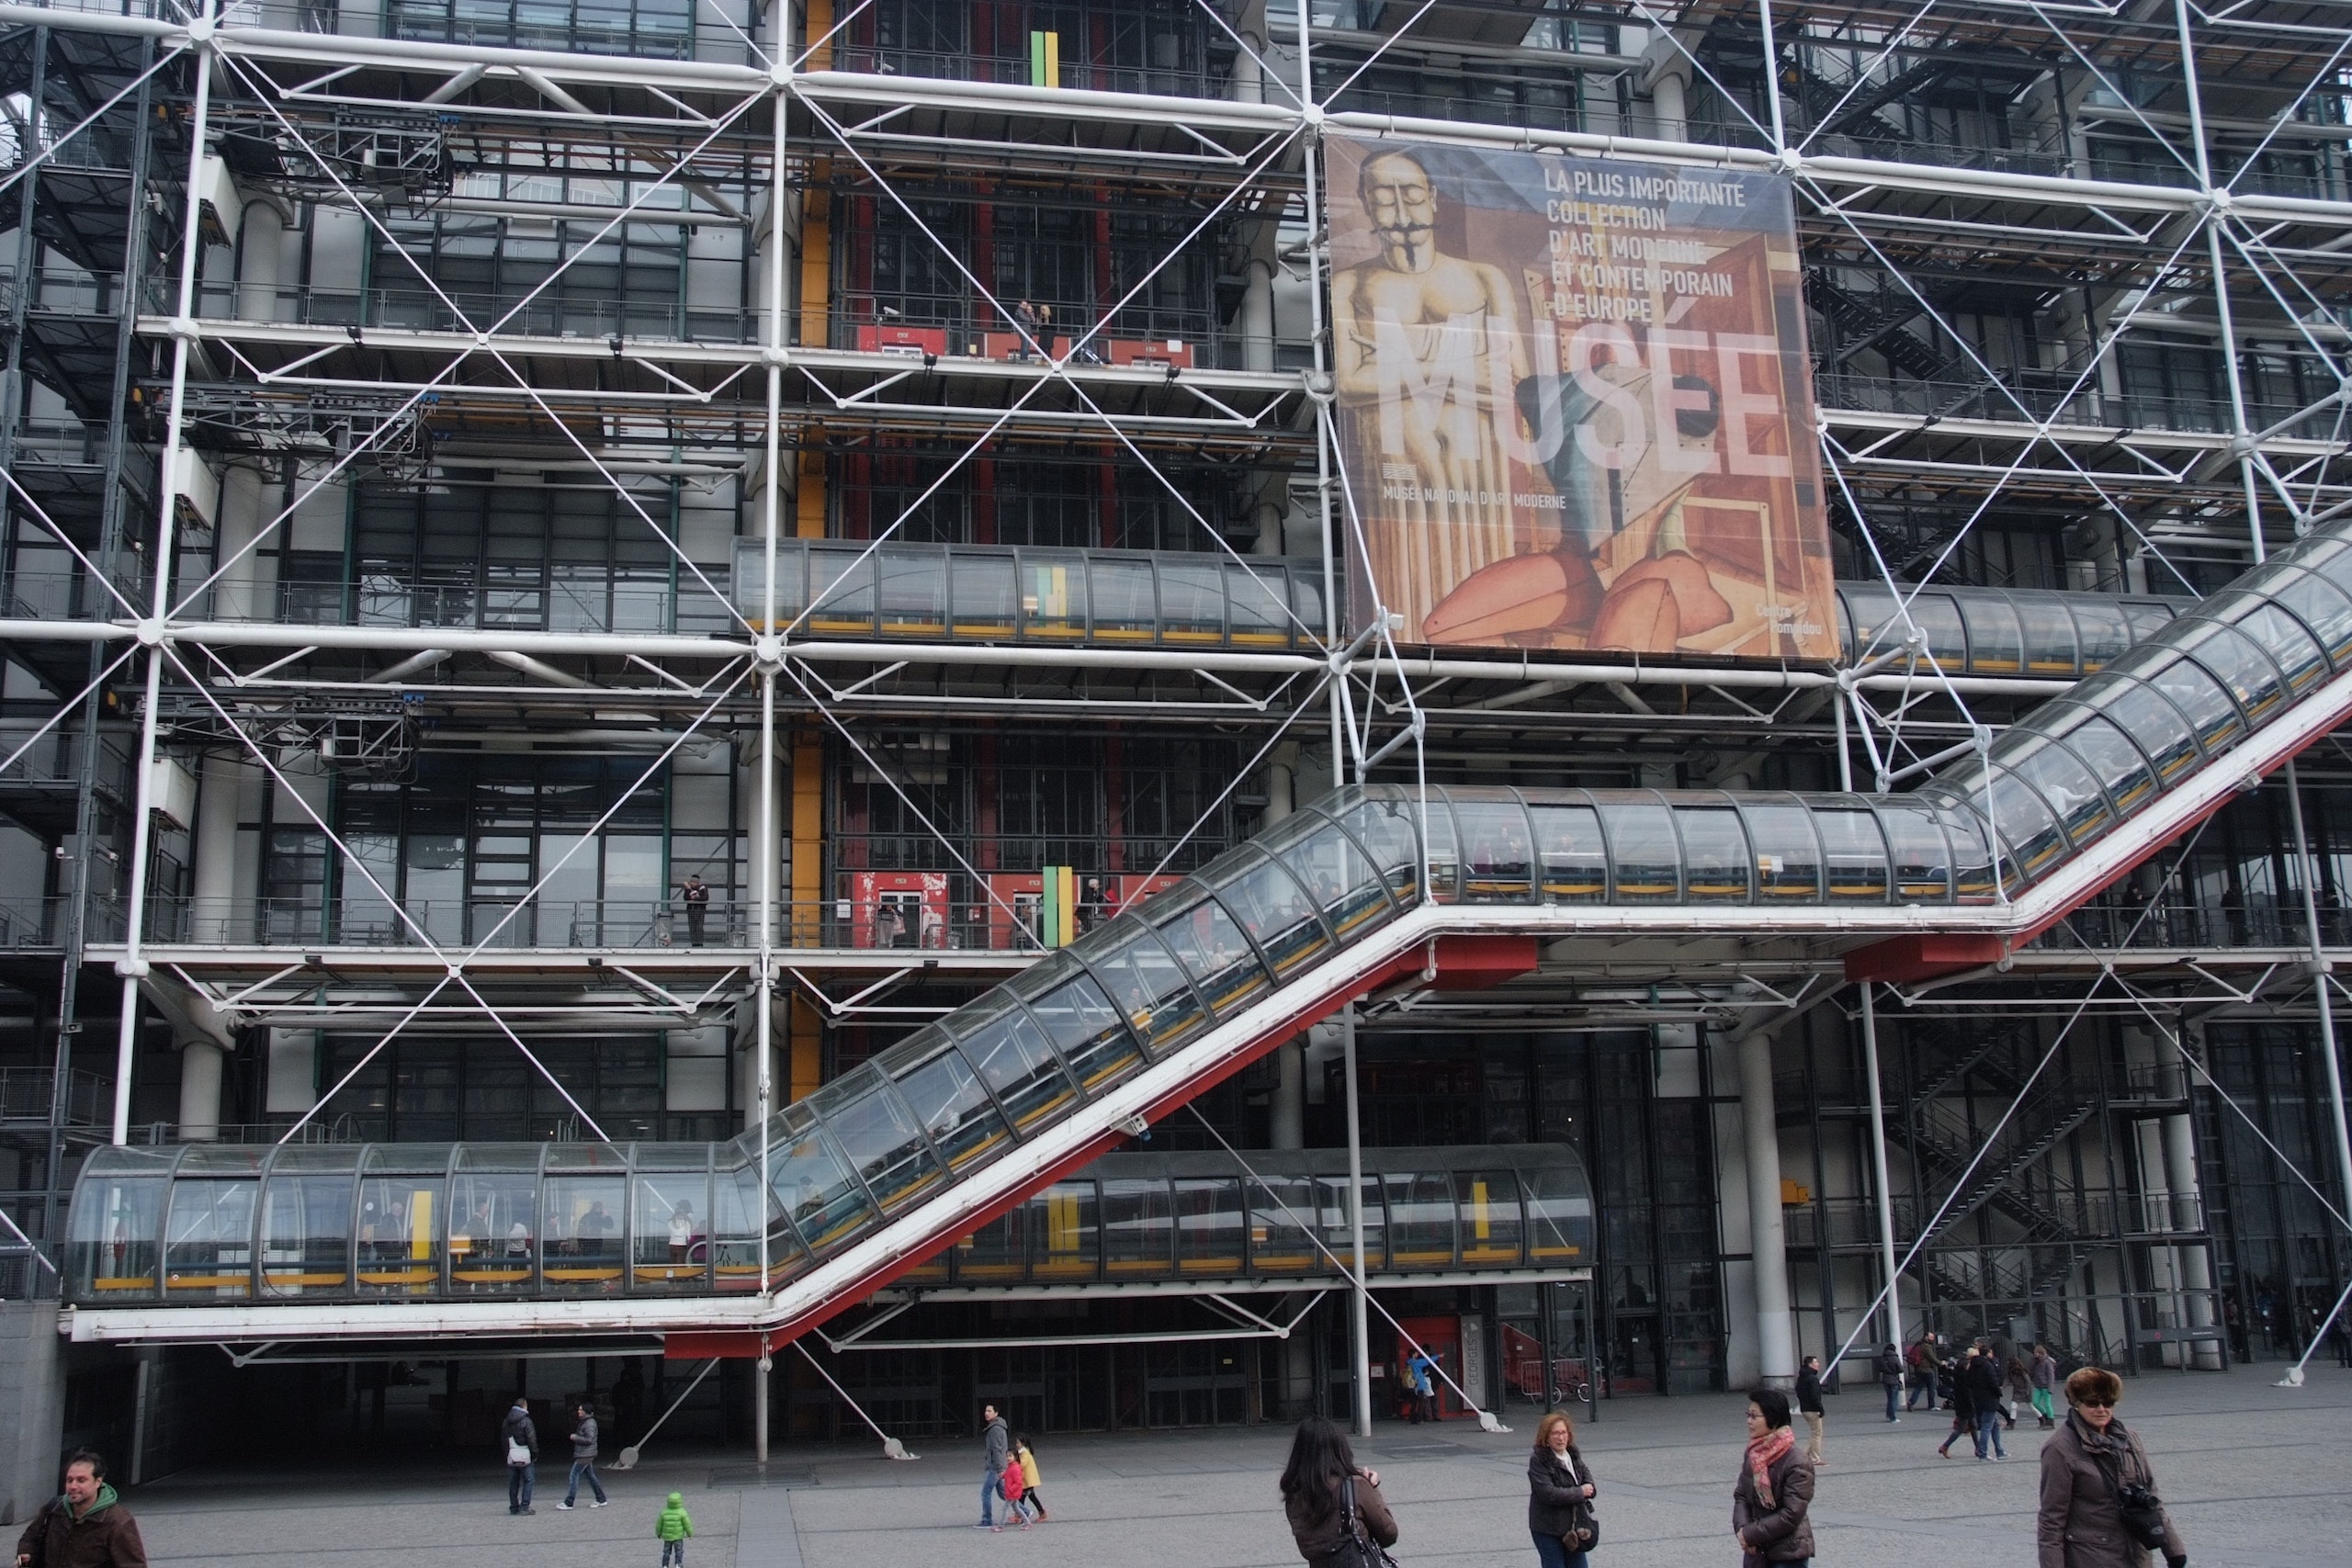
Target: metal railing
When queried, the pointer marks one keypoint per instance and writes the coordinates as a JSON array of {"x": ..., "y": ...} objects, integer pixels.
[
  {"x": 963, "y": 65},
  {"x": 29, "y": 1094},
  {"x": 2043, "y": 395},
  {"x": 554, "y": 313}
]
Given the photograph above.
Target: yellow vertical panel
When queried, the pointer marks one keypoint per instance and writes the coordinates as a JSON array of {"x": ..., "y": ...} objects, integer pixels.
[
  {"x": 821, "y": 22},
  {"x": 816, "y": 259},
  {"x": 1478, "y": 1220},
  {"x": 805, "y": 925},
  {"x": 420, "y": 1223},
  {"x": 1066, "y": 902}
]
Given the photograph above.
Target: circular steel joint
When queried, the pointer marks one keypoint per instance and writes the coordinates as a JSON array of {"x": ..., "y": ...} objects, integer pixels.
[
  {"x": 150, "y": 632},
  {"x": 767, "y": 653}
]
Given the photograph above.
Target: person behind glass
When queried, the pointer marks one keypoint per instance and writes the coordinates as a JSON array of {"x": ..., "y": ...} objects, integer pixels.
[
  {"x": 696, "y": 894},
  {"x": 1890, "y": 1377},
  {"x": 1774, "y": 1492},
  {"x": 1558, "y": 1485},
  {"x": 2085, "y": 1467},
  {"x": 1809, "y": 1406},
  {"x": 1321, "y": 1468}
]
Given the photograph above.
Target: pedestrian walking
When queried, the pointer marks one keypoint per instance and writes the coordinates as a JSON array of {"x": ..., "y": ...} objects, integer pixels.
[
  {"x": 1963, "y": 1416},
  {"x": 1424, "y": 1391},
  {"x": 1014, "y": 1485},
  {"x": 673, "y": 1530},
  {"x": 1890, "y": 1377},
  {"x": 1923, "y": 1362},
  {"x": 1560, "y": 1490},
  {"x": 522, "y": 1456},
  {"x": 2021, "y": 1389},
  {"x": 1985, "y": 1385},
  {"x": 1328, "y": 1497},
  {"x": 584, "y": 1459},
  {"x": 696, "y": 894},
  {"x": 1030, "y": 1479},
  {"x": 85, "y": 1526},
  {"x": 1774, "y": 1492},
  {"x": 1809, "y": 1406},
  {"x": 2099, "y": 1508},
  {"x": 996, "y": 1444},
  {"x": 2044, "y": 1375}
]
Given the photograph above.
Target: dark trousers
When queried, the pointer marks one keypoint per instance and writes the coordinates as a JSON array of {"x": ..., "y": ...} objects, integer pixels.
[
  {"x": 694, "y": 913},
  {"x": 520, "y": 1479},
  {"x": 1550, "y": 1551}
]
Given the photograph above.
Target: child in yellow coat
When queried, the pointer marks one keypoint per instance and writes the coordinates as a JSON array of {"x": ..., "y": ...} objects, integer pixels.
[{"x": 1028, "y": 1462}]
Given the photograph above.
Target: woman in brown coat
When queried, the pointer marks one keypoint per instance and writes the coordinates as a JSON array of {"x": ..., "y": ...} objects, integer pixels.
[
  {"x": 1769, "y": 1500},
  {"x": 1320, "y": 1463},
  {"x": 2081, "y": 1524}
]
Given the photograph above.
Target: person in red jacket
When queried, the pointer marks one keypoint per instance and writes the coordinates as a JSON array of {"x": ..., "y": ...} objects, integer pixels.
[{"x": 87, "y": 1526}]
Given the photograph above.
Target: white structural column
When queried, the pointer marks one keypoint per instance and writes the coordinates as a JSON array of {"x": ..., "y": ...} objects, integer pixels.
[
  {"x": 132, "y": 967},
  {"x": 1775, "y": 1324},
  {"x": 1665, "y": 71},
  {"x": 2193, "y": 1265},
  {"x": 201, "y": 1062},
  {"x": 1889, "y": 1269}
]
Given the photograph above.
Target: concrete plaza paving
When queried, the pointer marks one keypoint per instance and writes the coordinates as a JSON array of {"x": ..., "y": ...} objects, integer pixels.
[{"x": 2257, "y": 1476}]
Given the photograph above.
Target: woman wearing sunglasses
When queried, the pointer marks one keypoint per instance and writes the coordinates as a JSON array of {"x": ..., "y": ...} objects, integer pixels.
[{"x": 2099, "y": 1508}]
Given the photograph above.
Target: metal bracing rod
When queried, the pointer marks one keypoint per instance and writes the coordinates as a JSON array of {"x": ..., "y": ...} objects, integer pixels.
[
  {"x": 770, "y": 660},
  {"x": 1298, "y": 711},
  {"x": 1862, "y": 74},
  {"x": 32, "y": 120},
  {"x": 132, "y": 966},
  {"x": 2331, "y": 1050},
  {"x": 372, "y": 1052},
  {"x": 1890, "y": 1272}
]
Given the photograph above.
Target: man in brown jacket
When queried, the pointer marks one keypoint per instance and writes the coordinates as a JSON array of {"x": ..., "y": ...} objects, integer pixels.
[{"x": 86, "y": 1528}]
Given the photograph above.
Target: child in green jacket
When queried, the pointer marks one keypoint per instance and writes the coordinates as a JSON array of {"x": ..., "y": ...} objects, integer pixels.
[{"x": 673, "y": 1531}]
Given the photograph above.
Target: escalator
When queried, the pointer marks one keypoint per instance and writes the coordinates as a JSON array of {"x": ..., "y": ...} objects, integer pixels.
[{"x": 1369, "y": 886}]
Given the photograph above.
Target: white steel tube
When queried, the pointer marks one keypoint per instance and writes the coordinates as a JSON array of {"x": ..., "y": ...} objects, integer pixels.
[
  {"x": 1885, "y": 1192},
  {"x": 132, "y": 966},
  {"x": 1359, "y": 1324}
]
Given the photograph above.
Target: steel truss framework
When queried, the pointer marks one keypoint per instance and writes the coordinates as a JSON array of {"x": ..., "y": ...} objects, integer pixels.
[{"x": 2195, "y": 238}]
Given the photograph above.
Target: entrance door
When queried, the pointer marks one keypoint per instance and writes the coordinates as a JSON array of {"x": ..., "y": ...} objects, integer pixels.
[{"x": 1441, "y": 1337}]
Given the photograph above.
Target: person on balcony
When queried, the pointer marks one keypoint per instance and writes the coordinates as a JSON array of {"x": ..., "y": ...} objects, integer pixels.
[{"x": 696, "y": 894}]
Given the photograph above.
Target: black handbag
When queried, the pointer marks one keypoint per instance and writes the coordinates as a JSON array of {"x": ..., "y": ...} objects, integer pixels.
[
  {"x": 1355, "y": 1548},
  {"x": 2142, "y": 1510},
  {"x": 1584, "y": 1524}
]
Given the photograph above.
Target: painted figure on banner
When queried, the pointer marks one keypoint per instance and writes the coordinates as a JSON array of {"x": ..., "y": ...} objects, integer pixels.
[{"x": 1574, "y": 404}]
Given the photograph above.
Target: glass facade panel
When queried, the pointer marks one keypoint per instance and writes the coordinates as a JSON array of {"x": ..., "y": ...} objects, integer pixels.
[
  {"x": 1787, "y": 852},
  {"x": 884, "y": 1143},
  {"x": 2240, "y": 666},
  {"x": 306, "y": 1234},
  {"x": 1013, "y": 1058},
  {"x": 982, "y": 594},
  {"x": 2102, "y": 632},
  {"x": 841, "y": 577},
  {"x": 1490, "y": 1223},
  {"x": 1138, "y": 1227},
  {"x": 1191, "y": 601},
  {"x": 1065, "y": 1232},
  {"x": 585, "y": 1246},
  {"x": 1853, "y": 855},
  {"x": 1278, "y": 915},
  {"x": 2060, "y": 778},
  {"x": 912, "y": 597},
  {"x": 493, "y": 1233},
  {"x": 2151, "y": 719},
  {"x": 1644, "y": 856},
  {"x": 819, "y": 1194},
  {"x": 2325, "y": 609},
  {"x": 948, "y": 1098},
  {"x": 1089, "y": 1033},
  {"x": 1146, "y": 984},
  {"x": 2290, "y": 647},
  {"x": 398, "y": 1247},
  {"x": 1922, "y": 856},
  {"x": 1214, "y": 951},
  {"x": 2211, "y": 712},
  {"x": 1574, "y": 858},
  {"x": 1716, "y": 862},
  {"x": 2024, "y": 821},
  {"x": 1124, "y": 607},
  {"x": 1341, "y": 881},
  {"x": 2112, "y": 759},
  {"x": 208, "y": 1239},
  {"x": 1420, "y": 1219},
  {"x": 1281, "y": 1225},
  {"x": 671, "y": 1242},
  {"x": 1498, "y": 851},
  {"x": 1384, "y": 825},
  {"x": 1210, "y": 1227},
  {"x": 1444, "y": 848}
]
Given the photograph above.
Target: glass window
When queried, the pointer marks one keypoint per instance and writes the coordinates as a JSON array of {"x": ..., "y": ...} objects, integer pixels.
[
  {"x": 1498, "y": 851},
  {"x": 1937, "y": 615},
  {"x": 913, "y": 590},
  {"x": 1256, "y": 605},
  {"x": 1995, "y": 642},
  {"x": 842, "y": 577},
  {"x": 1645, "y": 858},
  {"x": 1208, "y": 1227},
  {"x": 1087, "y": 1032},
  {"x": 208, "y": 1240},
  {"x": 1490, "y": 1220},
  {"x": 739, "y": 1210},
  {"x": 791, "y": 578},
  {"x": 671, "y": 1249},
  {"x": 1066, "y": 1232},
  {"x": 306, "y": 1234},
  {"x": 2024, "y": 821},
  {"x": 493, "y": 1233},
  {"x": 1972, "y": 854},
  {"x": 983, "y": 590},
  {"x": 885, "y": 1145},
  {"x": 2101, "y": 630},
  {"x": 954, "y": 1108},
  {"x": 1384, "y": 827},
  {"x": 1444, "y": 856},
  {"x": 1715, "y": 856},
  {"x": 1139, "y": 1226},
  {"x": 2325, "y": 609},
  {"x": 1420, "y": 1219},
  {"x": 1192, "y": 600},
  {"x": 1854, "y": 852},
  {"x": 400, "y": 1235},
  {"x": 1788, "y": 855},
  {"x": 1145, "y": 983},
  {"x": 2147, "y": 617},
  {"x": 2240, "y": 666},
  {"x": 1212, "y": 949},
  {"x": 2291, "y": 648},
  {"x": 1871, "y": 607},
  {"x": 1922, "y": 858},
  {"x": 1306, "y": 603},
  {"x": 1012, "y": 1057},
  {"x": 998, "y": 1250},
  {"x": 1339, "y": 1236},
  {"x": 2144, "y": 714},
  {"x": 580, "y": 1220},
  {"x": 117, "y": 1227},
  {"x": 1124, "y": 609},
  {"x": 819, "y": 1195},
  {"x": 1277, "y": 913},
  {"x": 1053, "y": 595},
  {"x": 2060, "y": 778},
  {"x": 1559, "y": 1215},
  {"x": 1576, "y": 861},
  {"x": 2211, "y": 712},
  {"x": 1341, "y": 880},
  {"x": 2049, "y": 634},
  {"x": 1282, "y": 1212},
  {"x": 2112, "y": 757}
]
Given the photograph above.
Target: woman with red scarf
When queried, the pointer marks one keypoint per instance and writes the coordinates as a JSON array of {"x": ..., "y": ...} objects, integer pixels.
[{"x": 1774, "y": 1489}]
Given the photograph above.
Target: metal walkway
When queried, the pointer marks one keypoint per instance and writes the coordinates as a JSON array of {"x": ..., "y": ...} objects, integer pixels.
[{"x": 1368, "y": 889}]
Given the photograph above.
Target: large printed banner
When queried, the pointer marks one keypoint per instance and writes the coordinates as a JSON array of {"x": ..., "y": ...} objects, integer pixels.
[{"x": 1573, "y": 403}]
